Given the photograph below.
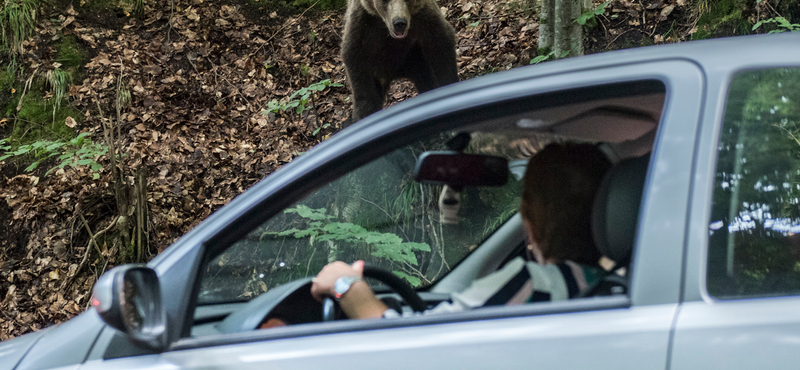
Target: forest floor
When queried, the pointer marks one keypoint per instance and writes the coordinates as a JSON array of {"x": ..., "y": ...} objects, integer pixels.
[{"x": 200, "y": 74}]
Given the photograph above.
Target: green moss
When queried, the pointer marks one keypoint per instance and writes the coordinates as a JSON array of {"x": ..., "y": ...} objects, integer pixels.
[
  {"x": 7, "y": 87},
  {"x": 6, "y": 81},
  {"x": 69, "y": 54},
  {"x": 35, "y": 120},
  {"x": 6, "y": 95},
  {"x": 722, "y": 18}
]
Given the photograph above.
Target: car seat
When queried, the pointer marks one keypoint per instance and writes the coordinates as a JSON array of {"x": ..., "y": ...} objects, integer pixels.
[{"x": 615, "y": 215}]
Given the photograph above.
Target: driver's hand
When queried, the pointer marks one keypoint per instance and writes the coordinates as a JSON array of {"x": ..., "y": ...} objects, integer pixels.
[{"x": 322, "y": 285}]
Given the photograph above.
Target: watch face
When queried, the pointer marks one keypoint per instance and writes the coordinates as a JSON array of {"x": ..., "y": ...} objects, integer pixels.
[{"x": 342, "y": 284}]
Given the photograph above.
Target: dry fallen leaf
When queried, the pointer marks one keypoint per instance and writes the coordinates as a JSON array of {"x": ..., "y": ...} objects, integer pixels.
[{"x": 70, "y": 122}]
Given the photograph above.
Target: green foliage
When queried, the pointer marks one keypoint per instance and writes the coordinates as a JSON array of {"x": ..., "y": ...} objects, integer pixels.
[
  {"x": 304, "y": 70},
  {"x": 722, "y": 18},
  {"x": 548, "y": 56},
  {"x": 138, "y": 6},
  {"x": 60, "y": 82},
  {"x": 9, "y": 75},
  {"x": 702, "y": 6},
  {"x": 80, "y": 151},
  {"x": 413, "y": 280},
  {"x": 299, "y": 99},
  {"x": 323, "y": 227},
  {"x": 589, "y": 17},
  {"x": 781, "y": 24},
  {"x": 17, "y": 23},
  {"x": 320, "y": 129}
]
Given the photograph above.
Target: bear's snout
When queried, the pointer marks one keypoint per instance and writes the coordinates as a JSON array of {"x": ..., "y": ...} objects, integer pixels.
[{"x": 399, "y": 28}]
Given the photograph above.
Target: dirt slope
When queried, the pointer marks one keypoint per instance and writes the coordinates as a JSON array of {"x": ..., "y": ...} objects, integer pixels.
[{"x": 200, "y": 74}]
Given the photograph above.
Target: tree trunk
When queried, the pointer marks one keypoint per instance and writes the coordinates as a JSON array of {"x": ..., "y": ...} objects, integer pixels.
[
  {"x": 558, "y": 30},
  {"x": 575, "y": 29},
  {"x": 546, "y": 24}
]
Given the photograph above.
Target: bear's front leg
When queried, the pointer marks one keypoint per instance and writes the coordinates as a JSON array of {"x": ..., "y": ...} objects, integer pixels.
[
  {"x": 440, "y": 51},
  {"x": 367, "y": 94},
  {"x": 364, "y": 69}
]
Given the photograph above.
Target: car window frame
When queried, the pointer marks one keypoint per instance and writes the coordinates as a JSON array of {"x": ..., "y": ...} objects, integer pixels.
[{"x": 403, "y": 123}]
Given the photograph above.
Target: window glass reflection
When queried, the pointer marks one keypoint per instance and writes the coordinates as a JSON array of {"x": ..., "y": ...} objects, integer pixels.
[{"x": 754, "y": 243}]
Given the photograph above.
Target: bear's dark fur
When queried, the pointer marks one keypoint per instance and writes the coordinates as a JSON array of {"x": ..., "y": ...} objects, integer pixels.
[{"x": 389, "y": 39}]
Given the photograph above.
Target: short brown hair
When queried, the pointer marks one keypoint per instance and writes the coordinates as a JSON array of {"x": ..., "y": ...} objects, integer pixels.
[{"x": 560, "y": 183}]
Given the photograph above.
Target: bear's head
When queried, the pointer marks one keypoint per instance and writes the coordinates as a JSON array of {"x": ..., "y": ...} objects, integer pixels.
[{"x": 396, "y": 14}]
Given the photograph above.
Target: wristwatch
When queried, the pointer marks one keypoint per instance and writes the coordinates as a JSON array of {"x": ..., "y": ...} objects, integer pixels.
[{"x": 343, "y": 284}]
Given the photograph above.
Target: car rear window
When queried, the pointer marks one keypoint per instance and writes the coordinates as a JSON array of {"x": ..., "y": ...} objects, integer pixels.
[{"x": 754, "y": 243}]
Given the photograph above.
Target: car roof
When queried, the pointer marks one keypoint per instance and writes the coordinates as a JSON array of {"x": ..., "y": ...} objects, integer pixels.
[{"x": 731, "y": 53}]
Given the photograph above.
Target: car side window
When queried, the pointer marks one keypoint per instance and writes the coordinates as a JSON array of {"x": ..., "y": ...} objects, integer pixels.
[
  {"x": 754, "y": 242},
  {"x": 376, "y": 213}
]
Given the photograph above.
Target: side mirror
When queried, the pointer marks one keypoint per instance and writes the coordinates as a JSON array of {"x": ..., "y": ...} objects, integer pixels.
[
  {"x": 128, "y": 298},
  {"x": 459, "y": 169}
]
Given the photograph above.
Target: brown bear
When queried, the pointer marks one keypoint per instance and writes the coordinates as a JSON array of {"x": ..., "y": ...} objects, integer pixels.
[{"x": 389, "y": 39}]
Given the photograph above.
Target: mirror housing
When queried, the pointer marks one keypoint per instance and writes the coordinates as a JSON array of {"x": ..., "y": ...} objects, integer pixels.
[
  {"x": 128, "y": 298},
  {"x": 459, "y": 169}
]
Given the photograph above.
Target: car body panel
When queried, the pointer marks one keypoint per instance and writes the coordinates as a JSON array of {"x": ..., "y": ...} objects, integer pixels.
[
  {"x": 13, "y": 350},
  {"x": 664, "y": 205},
  {"x": 632, "y": 338},
  {"x": 759, "y": 333},
  {"x": 64, "y": 345}
]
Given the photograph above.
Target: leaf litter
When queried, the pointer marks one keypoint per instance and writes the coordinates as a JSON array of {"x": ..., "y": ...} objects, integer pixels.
[{"x": 200, "y": 75}]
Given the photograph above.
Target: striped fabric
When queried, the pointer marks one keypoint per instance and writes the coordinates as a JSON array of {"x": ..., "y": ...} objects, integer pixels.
[{"x": 518, "y": 282}]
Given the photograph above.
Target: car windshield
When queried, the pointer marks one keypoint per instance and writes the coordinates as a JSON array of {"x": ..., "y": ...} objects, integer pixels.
[{"x": 376, "y": 213}]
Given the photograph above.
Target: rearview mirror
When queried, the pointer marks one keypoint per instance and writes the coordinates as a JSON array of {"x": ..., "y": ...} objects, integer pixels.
[
  {"x": 128, "y": 298},
  {"x": 459, "y": 169}
]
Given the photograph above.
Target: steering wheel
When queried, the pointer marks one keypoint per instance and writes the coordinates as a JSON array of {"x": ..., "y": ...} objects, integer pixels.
[{"x": 397, "y": 284}]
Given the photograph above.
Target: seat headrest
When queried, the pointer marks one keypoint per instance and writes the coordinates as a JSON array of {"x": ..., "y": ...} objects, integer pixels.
[{"x": 616, "y": 208}]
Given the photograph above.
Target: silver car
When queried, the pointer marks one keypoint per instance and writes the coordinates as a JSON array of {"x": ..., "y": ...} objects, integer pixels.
[{"x": 699, "y": 220}]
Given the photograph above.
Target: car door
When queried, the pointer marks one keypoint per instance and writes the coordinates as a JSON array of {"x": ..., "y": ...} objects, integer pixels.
[
  {"x": 616, "y": 332},
  {"x": 742, "y": 290}
]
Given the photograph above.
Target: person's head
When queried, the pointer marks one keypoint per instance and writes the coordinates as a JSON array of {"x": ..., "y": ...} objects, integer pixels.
[{"x": 559, "y": 188}]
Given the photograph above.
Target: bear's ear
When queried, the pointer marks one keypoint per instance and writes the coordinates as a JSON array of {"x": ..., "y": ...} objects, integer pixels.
[{"x": 370, "y": 6}]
